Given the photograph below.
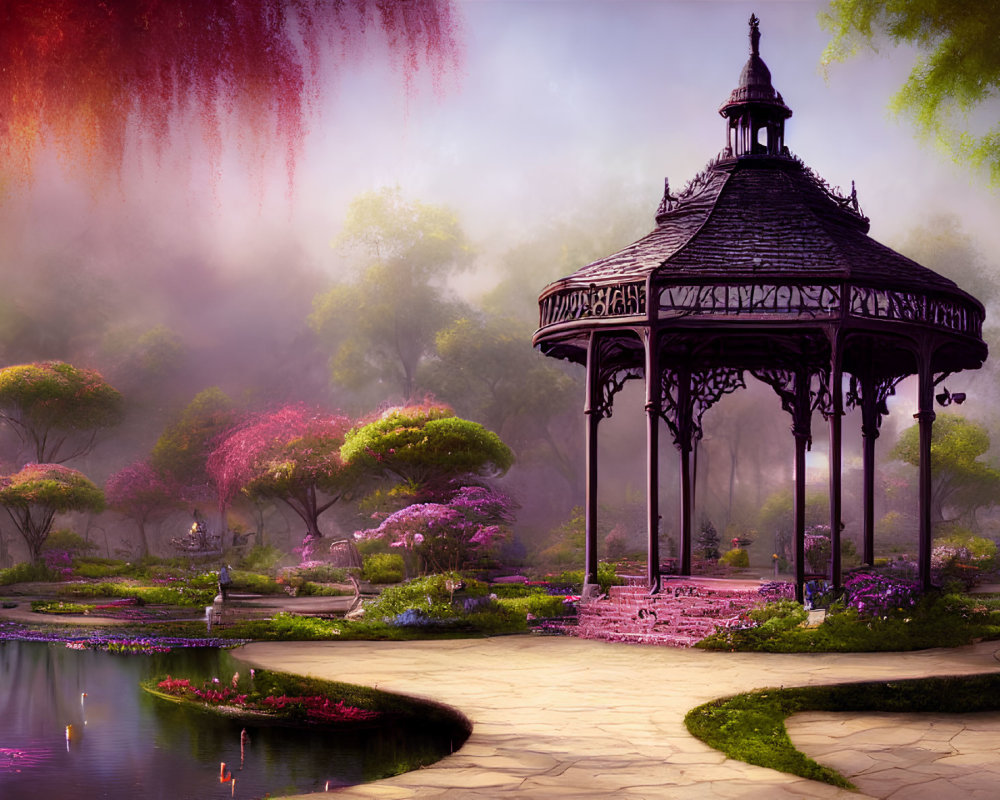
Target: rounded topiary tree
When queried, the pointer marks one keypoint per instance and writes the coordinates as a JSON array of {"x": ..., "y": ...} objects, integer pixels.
[
  {"x": 34, "y": 495},
  {"x": 426, "y": 446},
  {"x": 57, "y": 409}
]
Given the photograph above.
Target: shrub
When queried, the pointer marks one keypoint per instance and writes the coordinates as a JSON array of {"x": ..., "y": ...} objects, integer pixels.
[
  {"x": 538, "y": 605},
  {"x": 65, "y": 539},
  {"x": 97, "y": 568},
  {"x": 27, "y": 572},
  {"x": 383, "y": 568},
  {"x": 254, "y": 583},
  {"x": 261, "y": 558},
  {"x": 433, "y": 595},
  {"x": 323, "y": 573},
  {"x": 737, "y": 558}
]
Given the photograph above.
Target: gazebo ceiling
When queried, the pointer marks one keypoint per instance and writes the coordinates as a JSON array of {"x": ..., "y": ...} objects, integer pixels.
[{"x": 758, "y": 246}]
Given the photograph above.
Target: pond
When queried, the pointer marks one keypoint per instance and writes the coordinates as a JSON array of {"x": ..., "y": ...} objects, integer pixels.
[{"x": 75, "y": 725}]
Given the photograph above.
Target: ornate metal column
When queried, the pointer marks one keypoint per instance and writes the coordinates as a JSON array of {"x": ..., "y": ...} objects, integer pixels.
[
  {"x": 798, "y": 398},
  {"x": 592, "y": 415},
  {"x": 871, "y": 393},
  {"x": 687, "y": 395},
  {"x": 925, "y": 418},
  {"x": 654, "y": 406},
  {"x": 836, "y": 418}
]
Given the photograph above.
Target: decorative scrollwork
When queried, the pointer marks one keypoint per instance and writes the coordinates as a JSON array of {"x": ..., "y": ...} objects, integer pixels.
[
  {"x": 610, "y": 382},
  {"x": 785, "y": 384},
  {"x": 615, "y": 300},
  {"x": 878, "y": 391},
  {"x": 950, "y": 313},
  {"x": 706, "y": 388},
  {"x": 810, "y": 301}
]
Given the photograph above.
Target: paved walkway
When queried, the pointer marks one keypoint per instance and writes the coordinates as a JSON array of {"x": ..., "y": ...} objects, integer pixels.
[{"x": 560, "y": 717}]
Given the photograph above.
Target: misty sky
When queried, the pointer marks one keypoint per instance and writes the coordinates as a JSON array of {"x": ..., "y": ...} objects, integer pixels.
[{"x": 557, "y": 105}]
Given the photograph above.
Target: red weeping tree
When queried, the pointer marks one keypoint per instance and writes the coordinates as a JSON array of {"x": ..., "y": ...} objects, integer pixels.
[
  {"x": 81, "y": 74},
  {"x": 291, "y": 455}
]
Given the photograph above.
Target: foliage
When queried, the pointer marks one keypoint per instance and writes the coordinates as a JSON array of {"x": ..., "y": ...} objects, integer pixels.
[
  {"x": 261, "y": 558},
  {"x": 426, "y": 444},
  {"x": 26, "y": 572},
  {"x": 198, "y": 591},
  {"x": 818, "y": 548},
  {"x": 606, "y": 578},
  {"x": 433, "y": 595},
  {"x": 382, "y": 326},
  {"x": 291, "y": 455},
  {"x": 448, "y": 536},
  {"x": 751, "y": 727},
  {"x": 538, "y": 605},
  {"x": 254, "y": 583},
  {"x": 937, "y": 620},
  {"x": 141, "y": 493},
  {"x": 957, "y": 69},
  {"x": 88, "y": 76},
  {"x": 737, "y": 558},
  {"x": 182, "y": 450},
  {"x": 383, "y": 568},
  {"x": 961, "y": 481},
  {"x": 55, "y": 407},
  {"x": 708, "y": 540},
  {"x": 70, "y": 541},
  {"x": 875, "y": 595},
  {"x": 35, "y": 494}
]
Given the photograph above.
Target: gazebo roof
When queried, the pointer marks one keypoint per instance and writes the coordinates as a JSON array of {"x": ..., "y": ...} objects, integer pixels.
[
  {"x": 757, "y": 242},
  {"x": 760, "y": 218}
]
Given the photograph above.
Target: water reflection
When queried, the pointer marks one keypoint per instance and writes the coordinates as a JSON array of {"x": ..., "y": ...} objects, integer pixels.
[{"x": 75, "y": 725}]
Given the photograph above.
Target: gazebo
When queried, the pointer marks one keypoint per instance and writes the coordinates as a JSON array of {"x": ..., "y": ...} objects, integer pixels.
[{"x": 759, "y": 267}]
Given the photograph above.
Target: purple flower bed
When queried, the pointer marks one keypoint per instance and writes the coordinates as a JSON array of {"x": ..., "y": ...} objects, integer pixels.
[
  {"x": 97, "y": 640},
  {"x": 874, "y": 595}
]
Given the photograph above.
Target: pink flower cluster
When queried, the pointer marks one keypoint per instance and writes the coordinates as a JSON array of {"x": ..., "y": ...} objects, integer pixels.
[
  {"x": 320, "y": 709},
  {"x": 317, "y": 708}
]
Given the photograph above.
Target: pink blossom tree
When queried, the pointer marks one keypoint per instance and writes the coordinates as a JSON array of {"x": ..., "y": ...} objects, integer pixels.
[
  {"x": 291, "y": 455},
  {"x": 142, "y": 494}
]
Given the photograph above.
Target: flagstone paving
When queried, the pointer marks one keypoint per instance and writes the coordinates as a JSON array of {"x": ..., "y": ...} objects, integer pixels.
[{"x": 559, "y": 717}]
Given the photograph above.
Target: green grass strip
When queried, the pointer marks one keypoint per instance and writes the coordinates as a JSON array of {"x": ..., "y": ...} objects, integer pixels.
[{"x": 750, "y": 727}]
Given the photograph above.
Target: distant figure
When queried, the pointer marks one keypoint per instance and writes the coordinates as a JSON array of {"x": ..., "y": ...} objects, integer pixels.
[{"x": 225, "y": 581}]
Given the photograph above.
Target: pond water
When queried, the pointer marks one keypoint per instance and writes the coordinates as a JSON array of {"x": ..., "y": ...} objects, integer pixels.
[{"x": 125, "y": 742}]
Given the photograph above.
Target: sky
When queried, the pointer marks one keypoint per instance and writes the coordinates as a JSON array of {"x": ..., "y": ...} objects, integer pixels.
[{"x": 556, "y": 104}]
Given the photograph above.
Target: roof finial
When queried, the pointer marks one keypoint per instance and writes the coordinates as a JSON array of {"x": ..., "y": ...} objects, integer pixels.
[{"x": 754, "y": 35}]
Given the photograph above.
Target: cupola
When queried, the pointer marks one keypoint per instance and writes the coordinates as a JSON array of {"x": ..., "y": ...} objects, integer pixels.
[{"x": 755, "y": 112}]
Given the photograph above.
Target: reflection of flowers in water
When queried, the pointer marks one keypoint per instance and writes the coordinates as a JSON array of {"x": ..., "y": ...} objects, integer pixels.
[
  {"x": 14, "y": 759},
  {"x": 97, "y": 640}
]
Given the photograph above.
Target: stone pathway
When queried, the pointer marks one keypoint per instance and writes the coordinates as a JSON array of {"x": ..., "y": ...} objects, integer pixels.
[
  {"x": 558, "y": 717},
  {"x": 906, "y": 756}
]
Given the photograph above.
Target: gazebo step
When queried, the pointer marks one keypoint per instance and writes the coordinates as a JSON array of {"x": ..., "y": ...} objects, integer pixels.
[{"x": 682, "y": 613}]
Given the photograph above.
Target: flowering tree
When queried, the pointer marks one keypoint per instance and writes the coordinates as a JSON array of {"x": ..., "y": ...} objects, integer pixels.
[
  {"x": 87, "y": 76},
  {"x": 291, "y": 455},
  {"x": 56, "y": 409},
  {"x": 141, "y": 493},
  {"x": 426, "y": 446},
  {"x": 38, "y": 492},
  {"x": 448, "y": 536}
]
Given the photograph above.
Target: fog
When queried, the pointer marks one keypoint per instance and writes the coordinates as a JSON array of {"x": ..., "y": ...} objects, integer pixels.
[{"x": 549, "y": 142}]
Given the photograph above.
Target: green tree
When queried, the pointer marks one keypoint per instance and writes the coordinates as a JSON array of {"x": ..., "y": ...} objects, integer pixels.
[
  {"x": 182, "y": 450},
  {"x": 56, "y": 409},
  {"x": 961, "y": 482},
  {"x": 487, "y": 369},
  {"x": 33, "y": 496},
  {"x": 957, "y": 70},
  {"x": 382, "y": 326},
  {"x": 425, "y": 447}
]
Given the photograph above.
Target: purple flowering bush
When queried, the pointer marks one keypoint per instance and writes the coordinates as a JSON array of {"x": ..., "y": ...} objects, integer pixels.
[
  {"x": 872, "y": 594},
  {"x": 447, "y": 536}
]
